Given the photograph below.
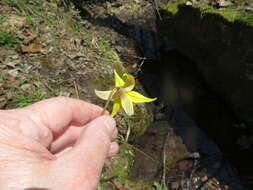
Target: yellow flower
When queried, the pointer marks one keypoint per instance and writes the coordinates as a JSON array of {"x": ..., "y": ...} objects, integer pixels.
[{"x": 123, "y": 95}]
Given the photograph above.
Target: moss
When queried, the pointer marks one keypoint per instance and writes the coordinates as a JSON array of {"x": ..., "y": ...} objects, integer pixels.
[
  {"x": 170, "y": 162},
  {"x": 139, "y": 122},
  {"x": 121, "y": 164},
  {"x": 173, "y": 7},
  {"x": 232, "y": 14},
  {"x": 71, "y": 24},
  {"x": 2, "y": 19}
]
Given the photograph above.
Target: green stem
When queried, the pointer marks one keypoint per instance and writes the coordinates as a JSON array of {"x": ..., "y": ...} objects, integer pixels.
[{"x": 109, "y": 99}]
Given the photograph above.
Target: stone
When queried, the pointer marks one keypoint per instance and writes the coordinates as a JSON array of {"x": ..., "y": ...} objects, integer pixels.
[
  {"x": 147, "y": 168},
  {"x": 188, "y": 3},
  {"x": 26, "y": 86},
  {"x": 225, "y": 3}
]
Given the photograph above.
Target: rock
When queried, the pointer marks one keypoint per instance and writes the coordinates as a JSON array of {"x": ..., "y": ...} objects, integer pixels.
[
  {"x": 14, "y": 72},
  {"x": 26, "y": 87},
  {"x": 147, "y": 167},
  {"x": 222, "y": 56},
  {"x": 225, "y": 3},
  {"x": 184, "y": 165},
  {"x": 189, "y": 3},
  {"x": 211, "y": 162},
  {"x": 175, "y": 185}
]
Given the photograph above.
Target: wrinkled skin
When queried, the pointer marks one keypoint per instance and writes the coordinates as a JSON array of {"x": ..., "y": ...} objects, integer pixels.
[{"x": 56, "y": 144}]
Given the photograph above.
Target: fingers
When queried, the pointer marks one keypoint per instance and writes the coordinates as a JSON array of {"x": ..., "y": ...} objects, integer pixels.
[
  {"x": 93, "y": 146},
  {"x": 59, "y": 113},
  {"x": 69, "y": 138},
  {"x": 114, "y": 148}
]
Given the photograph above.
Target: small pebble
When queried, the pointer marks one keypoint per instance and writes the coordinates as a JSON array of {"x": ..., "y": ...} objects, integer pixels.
[{"x": 188, "y": 3}]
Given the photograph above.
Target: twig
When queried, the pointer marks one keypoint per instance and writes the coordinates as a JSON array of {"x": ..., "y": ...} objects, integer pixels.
[
  {"x": 128, "y": 132},
  {"x": 164, "y": 169},
  {"x": 157, "y": 10},
  {"x": 137, "y": 149},
  {"x": 164, "y": 160},
  {"x": 139, "y": 67},
  {"x": 66, "y": 80},
  {"x": 76, "y": 89}
]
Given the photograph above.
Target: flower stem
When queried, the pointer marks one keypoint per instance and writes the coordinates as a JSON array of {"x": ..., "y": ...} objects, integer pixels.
[{"x": 109, "y": 99}]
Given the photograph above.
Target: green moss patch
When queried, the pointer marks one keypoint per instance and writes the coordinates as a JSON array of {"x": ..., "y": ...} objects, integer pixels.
[
  {"x": 232, "y": 14},
  {"x": 173, "y": 7}
]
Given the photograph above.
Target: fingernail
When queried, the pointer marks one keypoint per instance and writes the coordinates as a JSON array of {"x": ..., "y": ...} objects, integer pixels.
[
  {"x": 105, "y": 113},
  {"x": 109, "y": 123}
]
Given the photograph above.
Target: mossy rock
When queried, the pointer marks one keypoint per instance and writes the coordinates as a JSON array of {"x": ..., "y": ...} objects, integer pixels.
[
  {"x": 220, "y": 42},
  {"x": 231, "y": 13}
]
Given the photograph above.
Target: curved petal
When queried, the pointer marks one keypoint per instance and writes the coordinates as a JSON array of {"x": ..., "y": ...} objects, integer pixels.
[
  {"x": 136, "y": 97},
  {"x": 130, "y": 82},
  {"x": 104, "y": 95},
  {"x": 127, "y": 104},
  {"x": 118, "y": 81},
  {"x": 115, "y": 108}
]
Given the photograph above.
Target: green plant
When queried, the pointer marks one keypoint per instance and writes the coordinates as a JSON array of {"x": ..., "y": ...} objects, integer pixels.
[
  {"x": 2, "y": 19},
  {"x": 100, "y": 186},
  {"x": 37, "y": 96},
  {"x": 8, "y": 40},
  {"x": 25, "y": 6},
  {"x": 33, "y": 10},
  {"x": 66, "y": 3},
  {"x": 22, "y": 100}
]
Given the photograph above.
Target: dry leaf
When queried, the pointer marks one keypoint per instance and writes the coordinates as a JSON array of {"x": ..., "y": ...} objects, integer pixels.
[{"x": 34, "y": 47}]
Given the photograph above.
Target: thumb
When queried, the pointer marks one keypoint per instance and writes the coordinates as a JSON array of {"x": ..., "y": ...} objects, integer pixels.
[{"x": 90, "y": 151}]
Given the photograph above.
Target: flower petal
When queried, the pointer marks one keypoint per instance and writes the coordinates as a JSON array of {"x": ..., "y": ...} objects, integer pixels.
[
  {"x": 127, "y": 104},
  {"x": 136, "y": 97},
  {"x": 130, "y": 82},
  {"x": 104, "y": 95},
  {"x": 118, "y": 81},
  {"x": 116, "y": 107}
]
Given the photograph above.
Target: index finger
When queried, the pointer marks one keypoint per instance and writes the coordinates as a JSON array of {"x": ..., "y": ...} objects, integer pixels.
[{"x": 59, "y": 113}]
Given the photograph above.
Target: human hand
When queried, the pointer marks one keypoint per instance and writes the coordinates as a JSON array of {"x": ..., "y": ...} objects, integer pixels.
[{"x": 56, "y": 144}]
